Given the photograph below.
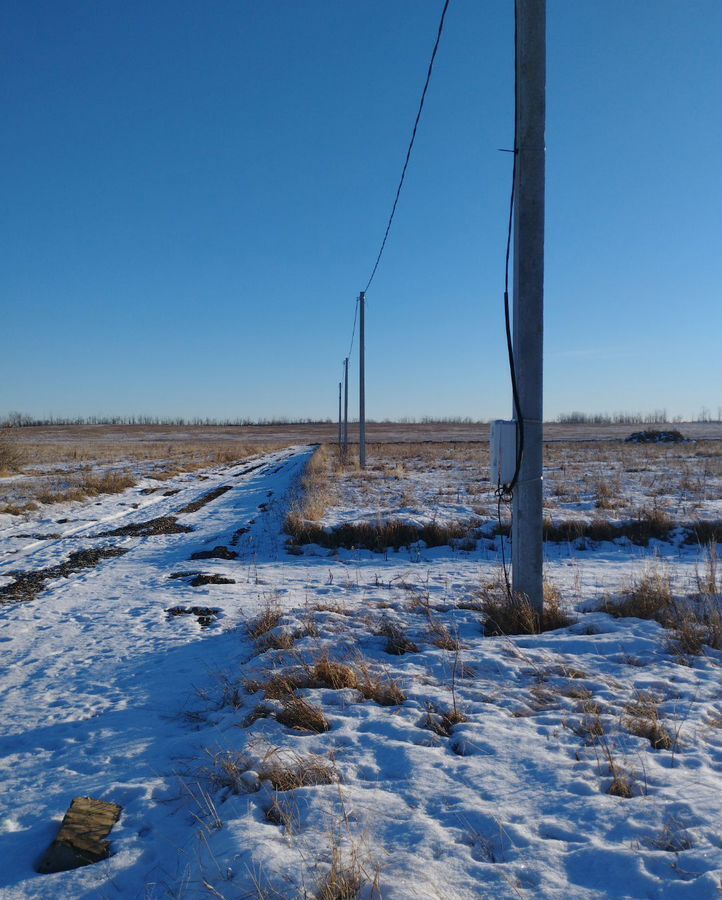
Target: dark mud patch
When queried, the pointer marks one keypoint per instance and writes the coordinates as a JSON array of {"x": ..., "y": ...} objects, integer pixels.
[
  {"x": 202, "y": 579},
  {"x": 161, "y": 525},
  {"x": 199, "y": 579},
  {"x": 249, "y": 469},
  {"x": 238, "y": 534},
  {"x": 215, "y": 553},
  {"x": 172, "y": 492},
  {"x": 28, "y": 585},
  {"x": 51, "y": 536},
  {"x": 206, "y": 615},
  {"x": 195, "y": 505}
]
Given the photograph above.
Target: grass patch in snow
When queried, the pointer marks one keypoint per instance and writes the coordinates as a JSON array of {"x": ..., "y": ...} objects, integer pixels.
[
  {"x": 642, "y": 719},
  {"x": 509, "y": 613},
  {"x": 378, "y": 536},
  {"x": 695, "y": 621}
]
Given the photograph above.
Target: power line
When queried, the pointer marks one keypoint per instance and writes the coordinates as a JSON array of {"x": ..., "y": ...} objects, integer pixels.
[
  {"x": 353, "y": 330},
  {"x": 411, "y": 144}
]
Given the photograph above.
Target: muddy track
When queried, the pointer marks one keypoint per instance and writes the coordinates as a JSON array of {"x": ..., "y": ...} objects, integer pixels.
[
  {"x": 28, "y": 585},
  {"x": 161, "y": 525},
  {"x": 195, "y": 505}
]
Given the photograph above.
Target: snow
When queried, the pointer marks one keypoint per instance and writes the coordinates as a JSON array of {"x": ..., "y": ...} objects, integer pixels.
[{"x": 104, "y": 694}]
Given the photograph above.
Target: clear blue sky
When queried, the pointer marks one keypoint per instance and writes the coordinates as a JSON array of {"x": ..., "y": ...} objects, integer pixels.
[{"x": 194, "y": 193}]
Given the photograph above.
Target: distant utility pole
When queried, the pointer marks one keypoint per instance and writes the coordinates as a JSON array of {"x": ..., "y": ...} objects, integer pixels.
[
  {"x": 339, "y": 415},
  {"x": 345, "y": 406},
  {"x": 527, "y": 521},
  {"x": 362, "y": 381}
]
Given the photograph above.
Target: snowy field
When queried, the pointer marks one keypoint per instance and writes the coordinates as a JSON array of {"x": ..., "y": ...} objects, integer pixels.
[{"x": 280, "y": 719}]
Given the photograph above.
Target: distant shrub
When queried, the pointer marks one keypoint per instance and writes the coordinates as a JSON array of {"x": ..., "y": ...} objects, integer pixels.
[{"x": 654, "y": 436}]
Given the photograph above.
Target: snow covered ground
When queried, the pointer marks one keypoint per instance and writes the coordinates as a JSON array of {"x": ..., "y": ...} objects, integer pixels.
[{"x": 468, "y": 766}]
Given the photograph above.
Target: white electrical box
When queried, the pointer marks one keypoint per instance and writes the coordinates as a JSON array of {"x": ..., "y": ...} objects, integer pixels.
[{"x": 502, "y": 438}]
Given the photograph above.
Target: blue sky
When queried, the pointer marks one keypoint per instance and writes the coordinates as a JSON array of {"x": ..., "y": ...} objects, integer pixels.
[{"x": 194, "y": 193}]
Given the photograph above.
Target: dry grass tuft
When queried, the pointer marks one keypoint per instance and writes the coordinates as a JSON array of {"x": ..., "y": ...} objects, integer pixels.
[
  {"x": 344, "y": 880},
  {"x": 335, "y": 675},
  {"x": 621, "y": 786},
  {"x": 283, "y": 640},
  {"x": 695, "y": 622},
  {"x": 443, "y": 723},
  {"x": 280, "y": 684},
  {"x": 642, "y": 719},
  {"x": 513, "y": 613},
  {"x": 650, "y": 597},
  {"x": 442, "y": 637},
  {"x": 303, "y": 716},
  {"x": 397, "y": 643},
  {"x": 267, "y": 619},
  {"x": 383, "y": 690},
  {"x": 229, "y": 769},
  {"x": 296, "y": 771}
]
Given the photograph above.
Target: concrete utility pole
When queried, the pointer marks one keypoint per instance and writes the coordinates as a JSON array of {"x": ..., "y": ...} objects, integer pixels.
[
  {"x": 362, "y": 381},
  {"x": 345, "y": 406},
  {"x": 527, "y": 522},
  {"x": 339, "y": 415}
]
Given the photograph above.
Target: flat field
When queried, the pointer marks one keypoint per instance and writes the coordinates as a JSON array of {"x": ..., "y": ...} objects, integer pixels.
[{"x": 301, "y": 679}]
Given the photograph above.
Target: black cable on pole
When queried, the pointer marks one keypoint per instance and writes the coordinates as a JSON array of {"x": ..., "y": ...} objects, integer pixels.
[
  {"x": 505, "y": 493},
  {"x": 353, "y": 330},
  {"x": 508, "y": 489},
  {"x": 411, "y": 144}
]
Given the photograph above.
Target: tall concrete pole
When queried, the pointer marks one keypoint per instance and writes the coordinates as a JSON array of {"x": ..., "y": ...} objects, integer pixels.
[
  {"x": 339, "y": 415},
  {"x": 527, "y": 522},
  {"x": 362, "y": 381},
  {"x": 345, "y": 406}
]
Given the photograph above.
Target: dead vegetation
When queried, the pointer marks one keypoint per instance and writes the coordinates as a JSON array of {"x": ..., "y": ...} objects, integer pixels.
[
  {"x": 57, "y": 490},
  {"x": 642, "y": 719},
  {"x": 267, "y": 619},
  {"x": 285, "y": 771},
  {"x": 397, "y": 642},
  {"x": 344, "y": 879},
  {"x": 694, "y": 620},
  {"x": 12, "y": 455},
  {"x": 301, "y": 715},
  {"x": 325, "y": 672},
  {"x": 294, "y": 771},
  {"x": 392, "y": 534},
  {"x": 508, "y": 613},
  {"x": 77, "y": 464}
]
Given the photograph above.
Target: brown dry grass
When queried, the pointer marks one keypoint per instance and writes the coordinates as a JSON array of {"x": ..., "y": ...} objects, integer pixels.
[
  {"x": 648, "y": 597},
  {"x": 642, "y": 719},
  {"x": 378, "y": 536},
  {"x": 344, "y": 880},
  {"x": 295, "y": 771},
  {"x": 65, "y": 470},
  {"x": 12, "y": 456},
  {"x": 86, "y": 486},
  {"x": 335, "y": 675},
  {"x": 267, "y": 619},
  {"x": 301, "y": 715},
  {"x": 397, "y": 642},
  {"x": 508, "y": 613},
  {"x": 695, "y": 621}
]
